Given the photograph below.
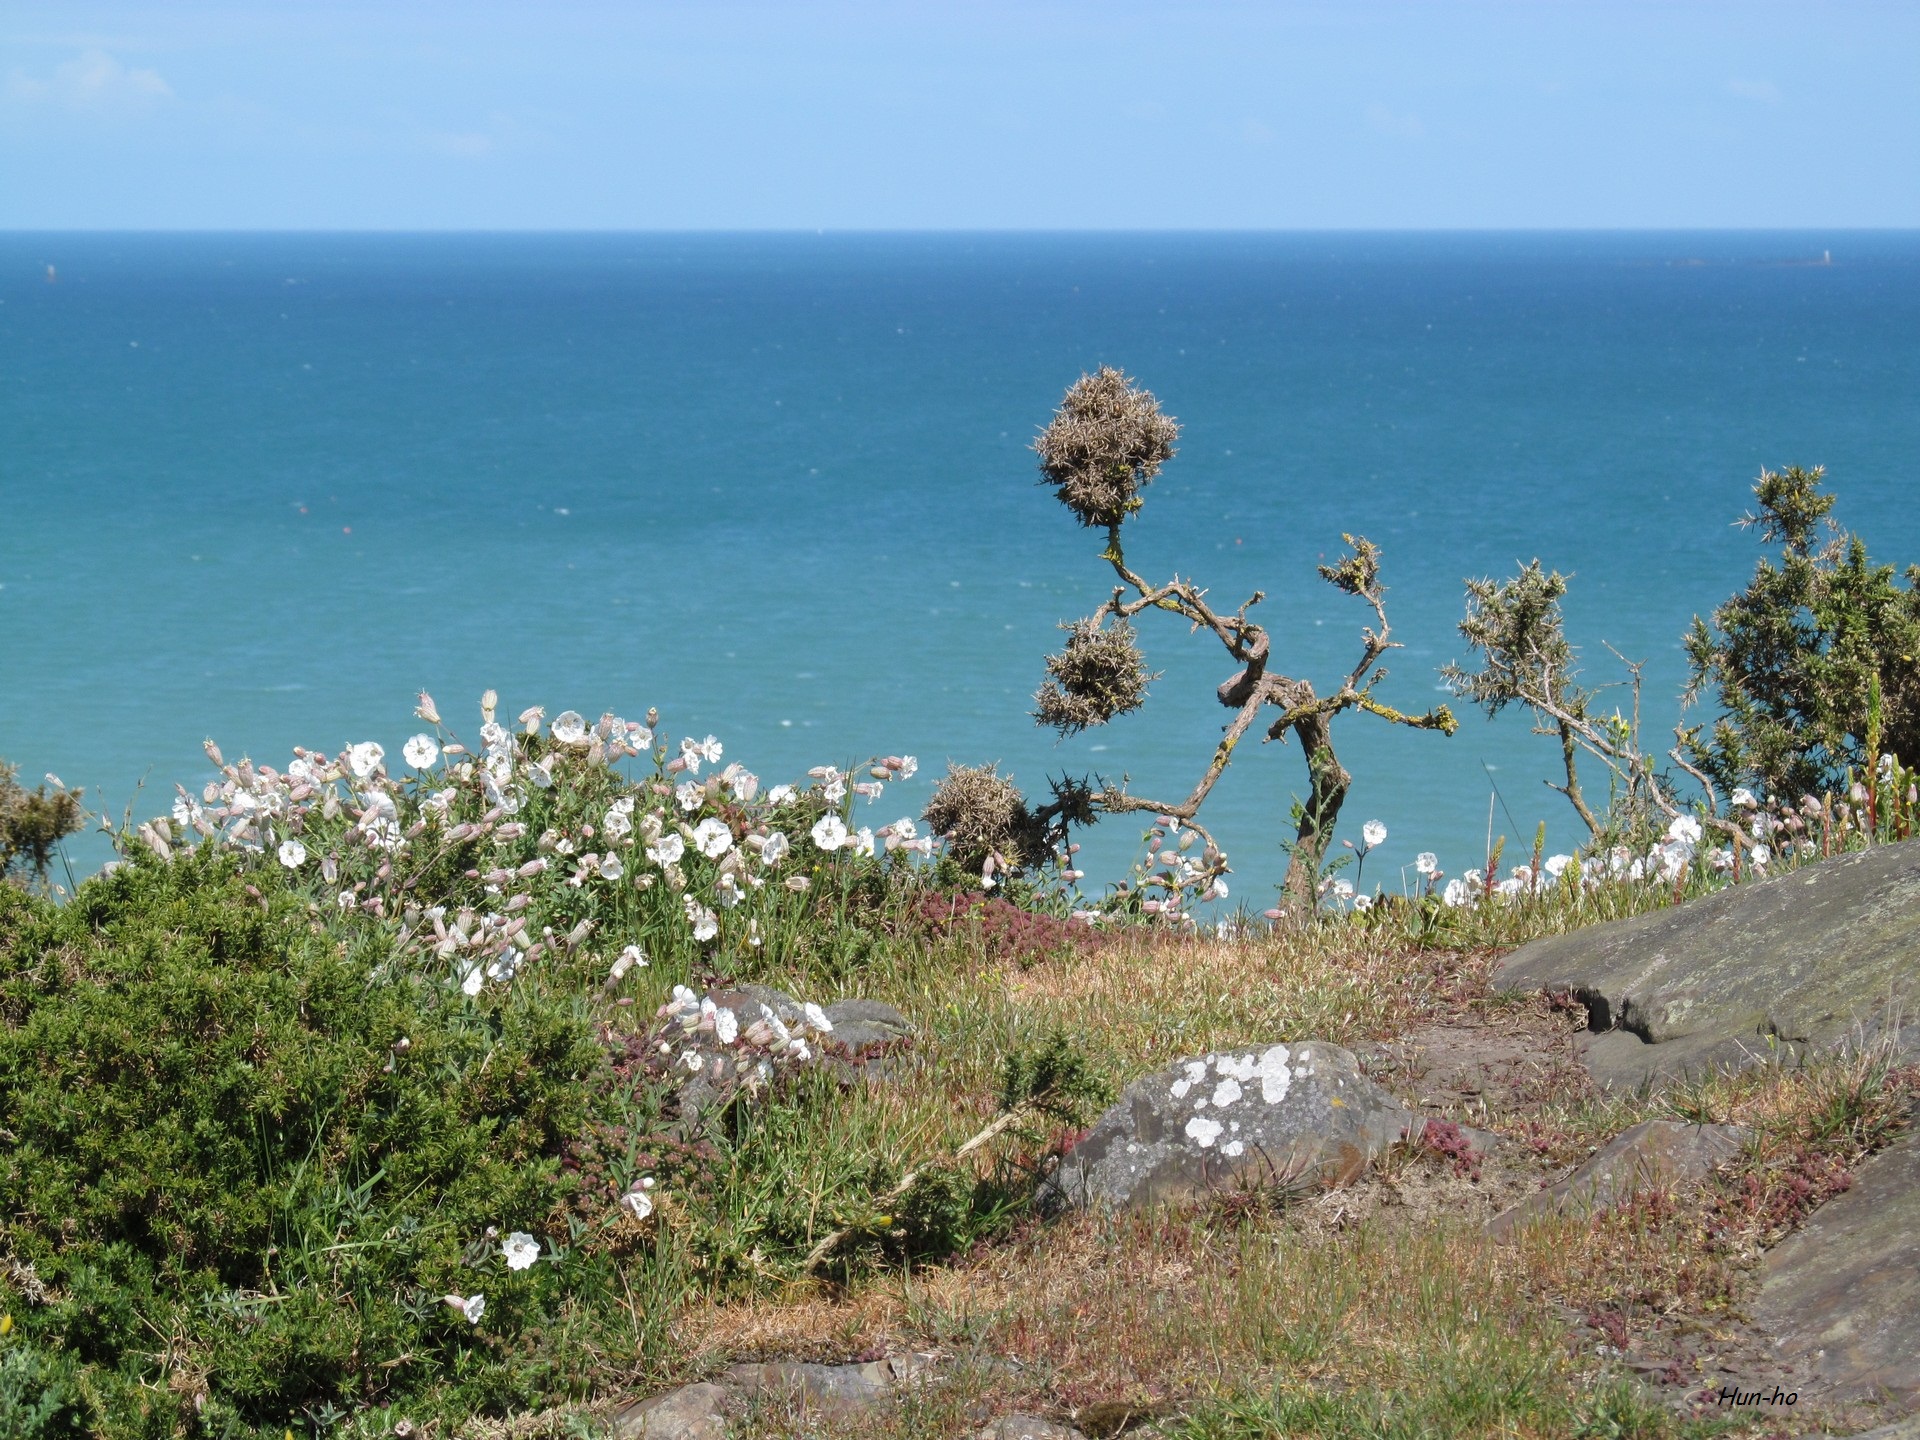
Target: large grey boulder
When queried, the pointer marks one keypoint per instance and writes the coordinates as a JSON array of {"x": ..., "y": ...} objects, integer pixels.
[
  {"x": 1652, "y": 1154},
  {"x": 1841, "y": 1295},
  {"x": 1297, "y": 1116},
  {"x": 1815, "y": 959}
]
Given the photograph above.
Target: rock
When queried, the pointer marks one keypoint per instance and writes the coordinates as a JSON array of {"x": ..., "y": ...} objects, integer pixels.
[
  {"x": 1816, "y": 959},
  {"x": 834, "y": 1390},
  {"x": 1842, "y": 1293},
  {"x": 693, "y": 1412},
  {"x": 1027, "y": 1427},
  {"x": 1296, "y": 1116},
  {"x": 1653, "y": 1153},
  {"x": 860, "y": 1025}
]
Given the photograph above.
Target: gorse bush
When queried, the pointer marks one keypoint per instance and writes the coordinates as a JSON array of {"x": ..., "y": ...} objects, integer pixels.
[
  {"x": 1817, "y": 662},
  {"x": 244, "y": 1205},
  {"x": 32, "y": 825}
]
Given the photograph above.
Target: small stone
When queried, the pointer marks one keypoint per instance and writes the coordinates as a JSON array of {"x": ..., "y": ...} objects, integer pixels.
[{"x": 693, "y": 1412}]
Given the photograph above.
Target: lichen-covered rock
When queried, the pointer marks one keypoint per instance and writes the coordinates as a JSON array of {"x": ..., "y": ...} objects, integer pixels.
[
  {"x": 1815, "y": 959},
  {"x": 1654, "y": 1153},
  {"x": 1297, "y": 1116}
]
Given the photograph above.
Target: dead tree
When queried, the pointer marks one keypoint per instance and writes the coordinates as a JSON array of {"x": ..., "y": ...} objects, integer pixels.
[{"x": 1102, "y": 448}]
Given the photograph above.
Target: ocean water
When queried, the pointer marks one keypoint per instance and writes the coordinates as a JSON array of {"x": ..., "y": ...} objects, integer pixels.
[{"x": 266, "y": 487}]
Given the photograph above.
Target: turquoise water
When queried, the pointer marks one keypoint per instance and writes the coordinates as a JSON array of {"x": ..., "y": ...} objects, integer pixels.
[{"x": 267, "y": 487}]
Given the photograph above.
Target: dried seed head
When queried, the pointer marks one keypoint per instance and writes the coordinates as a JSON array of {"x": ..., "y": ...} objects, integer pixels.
[
  {"x": 1103, "y": 446},
  {"x": 1100, "y": 674},
  {"x": 981, "y": 813}
]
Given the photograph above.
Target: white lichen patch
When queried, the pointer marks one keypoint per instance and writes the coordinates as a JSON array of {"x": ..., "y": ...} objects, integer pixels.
[
  {"x": 1196, "y": 1071},
  {"x": 1225, "y": 1093},
  {"x": 1274, "y": 1075},
  {"x": 1233, "y": 1147},
  {"x": 1202, "y": 1131},
  {"x": 1180, "y": 1088}
]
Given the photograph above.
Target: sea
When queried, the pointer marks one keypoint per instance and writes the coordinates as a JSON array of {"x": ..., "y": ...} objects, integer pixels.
[{"x": 265, "y": 488}]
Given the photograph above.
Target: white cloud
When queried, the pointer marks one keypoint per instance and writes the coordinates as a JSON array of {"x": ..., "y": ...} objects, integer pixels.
[
  {"x": 1762, "y": 90},
  {"x": 92, "y": 81}
]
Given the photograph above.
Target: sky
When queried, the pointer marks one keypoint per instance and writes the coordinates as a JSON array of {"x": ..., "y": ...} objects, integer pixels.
[{"x": 971, "y": 114}]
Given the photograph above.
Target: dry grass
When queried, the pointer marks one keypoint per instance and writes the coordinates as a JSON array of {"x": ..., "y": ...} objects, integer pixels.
[{"x": 1384, "y": 1295}]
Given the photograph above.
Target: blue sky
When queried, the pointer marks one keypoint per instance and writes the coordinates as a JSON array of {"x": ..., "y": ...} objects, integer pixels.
[{"x": 1054, "y": 114}]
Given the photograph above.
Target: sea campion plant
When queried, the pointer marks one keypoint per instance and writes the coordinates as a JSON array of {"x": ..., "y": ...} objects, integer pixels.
[{"x": 1100, "y": 451}]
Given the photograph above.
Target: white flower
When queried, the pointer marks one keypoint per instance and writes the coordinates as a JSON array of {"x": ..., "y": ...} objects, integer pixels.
[
  {"x": 1761, "y": 856},
  {"x": 292, "y": 854},
  {"x": 1555, "y": 865},
  {"x": 908, "y": 765},
  {"x": 690, "y": 795},
  {"x": 1374, "y": 833},
  {"x": 705, "y": 923},
  {"x": 421, "y": 751},
  {"x": 708, "y": 749},
  {"x": 1742, "y": 799},
  {"x": 631, "y": 956},
  {"x": 712, "y": 838},
  {"x": 611, "y": 867},
  {"x": 863, "y": 841},
  {"x": 1363, "y": 902},
  {"x": 1426, "y": 863},
  {"x": 900, "y": 834},
  {"x": 727, "y": 890},
  {"x": 741, "y": 782},
  {"x": 363, "y": 759},
  {"x": 186, "y": 811},
  {"x": 1685, "y": 829},
  {"x": 473, "y": 980},
  {"x": 520, "y": 1250},
  {"x": 780, "y": 794},
  {"x": 726, "y": 1026},
  {"x": 775, "y": 850},
  {"x": 470, "y": 1306},
  {"x": 830, "y": 832},
  {"x": 816, "y": 1017},
  {"x": 569, "y": 729},
  {"x": 1455, "y": 894},
  {"x": 616, "y": 824},
  {"x": 667, "y": 850},
  {"x": 1343, "y": 889}
]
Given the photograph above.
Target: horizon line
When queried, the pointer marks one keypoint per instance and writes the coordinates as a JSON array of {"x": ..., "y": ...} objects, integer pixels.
[{"x": 981, "y": 230}]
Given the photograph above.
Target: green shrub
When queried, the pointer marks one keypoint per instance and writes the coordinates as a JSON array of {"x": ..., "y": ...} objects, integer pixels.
[
  {"x": 1816, "y": 655},
  {"x": 241, "y": 1202}
]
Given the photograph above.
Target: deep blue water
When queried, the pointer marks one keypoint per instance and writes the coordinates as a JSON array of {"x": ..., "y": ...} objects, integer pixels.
[{"x": 267, "y": 487}]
